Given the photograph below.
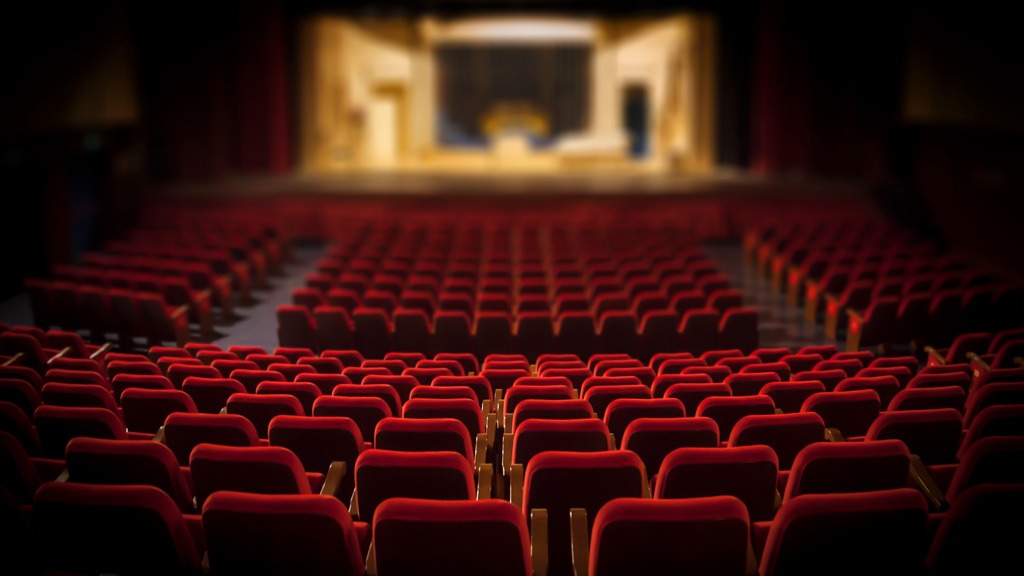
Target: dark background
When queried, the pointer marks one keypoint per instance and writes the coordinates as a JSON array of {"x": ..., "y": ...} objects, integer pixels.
[{"x": 919, "y": 102}]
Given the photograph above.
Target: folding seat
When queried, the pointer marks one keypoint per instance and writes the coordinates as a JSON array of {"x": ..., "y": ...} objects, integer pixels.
[
  {"x": 453, "y": 331},
  {"x": 612, "y": 358},
  {"x": 850, "y": 413},
  {"x": 296, "y": 326},
  {"x": 384, "y": 474},
  {"x": 123, "y": 382},
  {"x": 534, "y": 333},
  {"x": 103, "y": 528},
  {"x": 886, "y": 386},
  {"x": 617, "y": 332},
  {"x": 79, "y": 348},
  {"x": 560, "y": 409},
  {"x": 576, "y": 333},
  {"x": 210, "y": 395},
  {"x": 19, "y": 425},
  {"x": 600, "y": 397},
  {"x": 959, "y": 379},
  {"x": 183, "y": 431},
  {"x": 93, "y": 312},
  {"x": 557, "y": 482},
  {"x": 208, "y": 357},
  {"x": 196, "y": 347},
  {"x": 771, "y": 355},
  {"x": 542, "y": 381},
  {"x": 261, "y": 408},
  {"x": 493, "y": 332},
  {"x": 834, "y": 280},
  {"x": 738, "y": 328},
  {"x": 305, "y": 392},
  {"x": 882, "y": 531},
  {"x": 307, "y": 297},
  {"x": 290, "y": 371},
  {"x": 801, "y": 362},
  {"x": 990, "y": 460},
  {"x": 748, "y": 473},
  {"x": 255, "y": 470},
  {"x": 698, "y": 330},
  {"x": 831, "y": 467},
  {"x": 850, "y": 366},
  {"x": 995, "y": 420},
  {"x": 160, "y": 321},
  {"x": 875, "y": 325},
  {"x": 829, "y": 378},
  {"x": 385, "y": 392},
  {"x": 684, "y": 301},
  {"x": 979, "y": 532},
  {"x": 319, "y": 441},
  {"x": 749, "y": 384},
  {"x": 55, "y": 425},
  {"x": 146, "y": 410},
  {"x": 425, "y": 376},
  {"x": 33, "y": 355},
  {"x": 692, "y": 394},
  {"x": 997, "y": 393},
  {"x": 654, "y": 438},
  {"x": 427, "y": 435},
  {"x": 101, "y": 461},
  {"x": 470, "y": 364},
  {"x": 678, "y": 365},
  {"x": 902, "y": 374},
  {"x": 322, "y": 365},
  {"x": 20, "y": 475},
  {"x": 86, "y": 377},
  {"x": 785, "y": 434},
  {"x": 20, "y": 393},
  {"x": 79, "y": 364},
  {"x": 726, "y": 411},
  {"x": 620, "y": 413},
  {"x": 117, "y": 367},
  {"x": 333, "y": 327},
  {"x": 736, "y": 363},
  {"x": 656, "y": 360},
  {"x": 365, "y": 411},
  {"x": 413, "y": 331},
  {"x": 598, "y": 381},
  {"x": 790, "y": 396},
  {"x": 243, "y": 350},
  {"x": 663, "y": 382},
  {"x": 226, "y": 367},
  {"x": 250, "y": 379},
  {"x": 413, "y": 535},
  {"x": 725, "y": 299}
]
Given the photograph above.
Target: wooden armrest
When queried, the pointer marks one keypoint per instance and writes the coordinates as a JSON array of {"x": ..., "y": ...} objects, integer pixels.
[
  {"x": 1018, "y": 360},
  {"x": 63, "y": 352},
  {"x": 224, "y": 410},
  {"x": 160, "y": 436},
  {"x": 480, "y": 453},
  {"x": 205, "y": 566},
  {"x": 611, "y": 441},
  {"x": 921, "y": 478},
  {"x": 224, "y": 281},
  {"x": 752, "y": 567},
  {"x": 499, "y": 395},
  {"x": 778, "y": 501},
  {"x": 830, "y": 297},
  {"x": 353, "y": 506},
  {"x": 506, "y": 422},
  {"x": 979, "y": 363},
  {"x": 580, "y": 541},
  {"x": 370, "y": 566},
  {"x": 99, "y": 352},
  {"x": 201, "y": 295},
  {"x": 487, "y": 407},
  {"x": 506, "y": 453},
  {"x": 491, "y": 422},
  {"x": 539, "y": 540},
  {"x": 515, "y": 492},
  {"x": 64, "y": 476},
  {"x": 778, "y": 411},
  {"x": 834, "y": 435},
  {"x": 180, "y": 311},
  {"x": 484, "y": 476},
  {"x": 935, "y": 358},
  {"x": 335, "y": 474},
  {"x": 14, "y": 360},
  {"x": 854, "y": 315}
]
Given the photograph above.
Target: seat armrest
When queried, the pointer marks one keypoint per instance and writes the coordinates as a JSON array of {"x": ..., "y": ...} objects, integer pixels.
[
  {"x": 491, "y": 423},
  {"x": 160, "y": 437},
  {"x": 935, "y": 358},
  {"x": 834, "y": 435},
  {"x": 924, "y": 482},
  {"x": 62, "y": 353},
  {"x": 539, "y": 540},
  {"x": 353, "y": 506},
  {"x": 99, "y": 352},
  {"x": 506, "y": 453},
  {"x": 515, "y": 491},
  {"x": 580, "y": 541},
  {"x": 14, "y": 360},
  {"x": 335, "y": 475},
  {"x": 853, "y": 330},
  {"x": 978, "y": 364},
  {"x": 370, "y": 565},
  {"x": 484, "y": 477},
  {"x": 480, "y": 451}
]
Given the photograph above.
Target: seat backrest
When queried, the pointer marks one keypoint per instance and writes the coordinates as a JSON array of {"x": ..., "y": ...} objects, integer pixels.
[
  {"x": 319, "y": 441},
  {"x": 980, "y": 532},
  {"x": 383, "y": 474},
  {"x": 105, "y": 528},
  {"x": 413, "y": 535},
  {"x": 280, "y": 534},
  {"x": 462, "y": 409},
  {"x": 749, "y": 473},
  {"x": 707, "y": 535},
  {"x": 536, "y": 436},
  {"x": 850, "y": 412},
  {"x": 565, "y": 409},
  {"x": 933, "y": 434},
  {"x": 254, "y": 469},
  {"x": 786, "y": 434},
  {"x": 726, "y": 411},
  {"x": 831, "y": 467},
  {"x": 880, "y": 532},
  {"x": 211, "y": 394},
  {"x": 600, "y": 397},
  {"x": 146, "y": 410},
  {"x": 365, "y": 411},
  {"x": 621, "y": 412},
  {"x": 17, "y": 472},
  {"x": 559, "y": 481},
  {"x": 101, "y": 461},
  {"x": 56, "y": 425},
  {"x": 261, "y": 408},
  {"x": 925, "y": 398},
  {"x": 85, "y": 395},
  {"x": 424, "y": 435},
  {"x": 184, "y": 431},
  {"x": 995, "y": 459}
]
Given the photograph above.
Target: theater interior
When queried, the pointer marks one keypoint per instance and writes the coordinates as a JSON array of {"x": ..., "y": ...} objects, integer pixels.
[{"x": 511, "y": 287}]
